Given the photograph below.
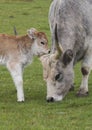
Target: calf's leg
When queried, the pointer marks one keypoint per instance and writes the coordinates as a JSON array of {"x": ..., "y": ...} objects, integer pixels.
[{"x": 16, "y": 73}]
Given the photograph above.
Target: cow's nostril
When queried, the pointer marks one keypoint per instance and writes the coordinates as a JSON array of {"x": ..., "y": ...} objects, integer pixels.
[
  {"x": 51, "y": 99},
  {"x": 48, "y": 51}
]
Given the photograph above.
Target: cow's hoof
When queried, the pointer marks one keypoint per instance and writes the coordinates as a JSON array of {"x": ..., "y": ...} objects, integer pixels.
[
  {"x": 72, "y": 88},
  {"x": 81, "y": 94}
]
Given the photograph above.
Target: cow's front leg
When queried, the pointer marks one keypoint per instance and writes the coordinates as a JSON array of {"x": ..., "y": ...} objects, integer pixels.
[
  {"x": 86, "y": 68},
  {"x": 16, "y": 73},
  {"x": 83, "y": 91}
]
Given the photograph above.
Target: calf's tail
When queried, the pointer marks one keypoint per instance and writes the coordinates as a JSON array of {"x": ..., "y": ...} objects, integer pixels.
[{"x": 15, "y": 31}]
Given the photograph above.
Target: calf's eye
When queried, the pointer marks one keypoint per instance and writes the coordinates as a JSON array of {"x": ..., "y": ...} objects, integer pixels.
[
  {"x": 59, "y": 77},
  {"x": 42, "y": 43}
]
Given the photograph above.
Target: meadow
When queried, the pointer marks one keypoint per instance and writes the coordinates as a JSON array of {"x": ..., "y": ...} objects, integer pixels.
[{"x": 35, "y": 113}]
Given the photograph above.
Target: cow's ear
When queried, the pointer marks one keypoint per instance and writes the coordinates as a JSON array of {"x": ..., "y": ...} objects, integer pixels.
[
  {"x": 32, "y": 33},
  {"x": 67, "y": 57}
]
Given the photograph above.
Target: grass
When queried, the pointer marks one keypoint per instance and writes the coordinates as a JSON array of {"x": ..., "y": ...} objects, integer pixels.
[{"x": 35, "y": 113}]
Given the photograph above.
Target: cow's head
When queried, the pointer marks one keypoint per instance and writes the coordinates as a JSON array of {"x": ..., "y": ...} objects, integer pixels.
[
  {"x": 40, "y": 42},
  {"x": 58, "y": 73}
]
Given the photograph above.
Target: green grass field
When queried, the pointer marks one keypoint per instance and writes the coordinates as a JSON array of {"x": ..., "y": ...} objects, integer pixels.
[{"x": 35, "y": 113}]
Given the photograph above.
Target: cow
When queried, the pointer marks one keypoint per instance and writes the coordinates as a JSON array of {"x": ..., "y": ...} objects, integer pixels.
[
  {"x": 71, "y": 32},
  {"x": 18, "y": 51}
]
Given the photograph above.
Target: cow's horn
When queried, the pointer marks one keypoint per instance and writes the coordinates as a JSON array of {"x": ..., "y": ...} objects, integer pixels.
[
  {"x": 59, "y": 48},
  {"x": 59, "y": 51}
]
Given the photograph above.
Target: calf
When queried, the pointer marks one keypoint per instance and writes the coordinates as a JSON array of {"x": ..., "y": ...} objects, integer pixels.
[
  {"x": 71, "y": 32},
  {"x": 17, "y": 51}
]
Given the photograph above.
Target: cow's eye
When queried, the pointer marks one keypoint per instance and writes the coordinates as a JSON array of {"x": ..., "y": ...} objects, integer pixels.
[
  {"x": 42, "y": 43},
  {"x": 59, "y": 77}
]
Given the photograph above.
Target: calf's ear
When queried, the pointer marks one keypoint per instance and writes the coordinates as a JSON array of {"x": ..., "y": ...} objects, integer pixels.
[
  {"x": 67, "y": 57},
  {"x": 32, "y": 33}
]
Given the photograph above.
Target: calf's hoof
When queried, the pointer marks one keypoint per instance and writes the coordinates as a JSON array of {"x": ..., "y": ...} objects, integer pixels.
[
  {"x": 21, "y": 100},
  {"x": 82, "y": 94}
]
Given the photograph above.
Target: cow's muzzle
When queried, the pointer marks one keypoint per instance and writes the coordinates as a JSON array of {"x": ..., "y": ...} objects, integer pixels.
[
  {"x": 54, "y": 99},
  {"x": 50, "y": 99}
]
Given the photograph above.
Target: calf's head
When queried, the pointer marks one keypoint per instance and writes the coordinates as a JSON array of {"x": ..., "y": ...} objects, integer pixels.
[
  {"x": 58, "y": 73},
  {"x": 40, "y": 42}
]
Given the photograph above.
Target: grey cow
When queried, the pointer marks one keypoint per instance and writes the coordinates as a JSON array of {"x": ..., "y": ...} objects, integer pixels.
[{"x": 71, "y": 32}]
